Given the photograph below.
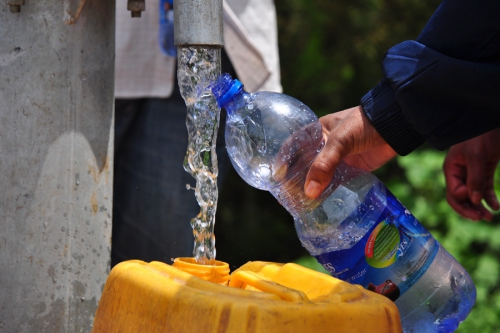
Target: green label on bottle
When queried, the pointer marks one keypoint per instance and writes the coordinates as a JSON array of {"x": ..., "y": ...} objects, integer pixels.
[{"x": 382, "y": 245}]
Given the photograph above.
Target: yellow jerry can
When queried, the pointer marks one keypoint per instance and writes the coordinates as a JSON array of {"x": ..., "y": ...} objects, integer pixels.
[{"x": 258, "y": 297}]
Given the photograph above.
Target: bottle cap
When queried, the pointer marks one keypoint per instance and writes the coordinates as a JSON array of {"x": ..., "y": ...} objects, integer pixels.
[{"x": 225, "y": 89}]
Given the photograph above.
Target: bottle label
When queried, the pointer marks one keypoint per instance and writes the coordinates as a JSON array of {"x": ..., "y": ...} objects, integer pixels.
[{"x": 390, "y": 258}]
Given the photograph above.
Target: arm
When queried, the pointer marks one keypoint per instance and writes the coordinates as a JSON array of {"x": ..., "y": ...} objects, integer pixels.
[{"x": 441, "y": 89}]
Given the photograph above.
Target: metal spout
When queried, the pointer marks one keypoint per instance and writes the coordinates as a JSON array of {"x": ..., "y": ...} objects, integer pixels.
[{"x": 198, "y": 23}]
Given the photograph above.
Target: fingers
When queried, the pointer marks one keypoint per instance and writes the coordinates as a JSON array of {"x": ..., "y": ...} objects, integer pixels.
[
  {"x": 491, "y": 199},
  {"x": 458, "y": 198},
  {"x": 475, "y": 179},
  {"x": 487, "y": 194},
  {"x": 492, "y": 140},
  {"x": 469, "y": 180},
  {"x": 457, "y": 194},
  {"x": 321, "y": 172},
  {"x": 337, "y": 131},
  {"x": 455, "y": 173},
  {"x": 480, "y": 163},
  {"x": 346, "y": 132},
  {"x": 460, "y": 201}
]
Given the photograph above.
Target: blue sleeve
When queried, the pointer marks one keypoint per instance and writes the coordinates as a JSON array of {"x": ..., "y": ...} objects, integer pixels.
[{"x": 443, "y": 88}]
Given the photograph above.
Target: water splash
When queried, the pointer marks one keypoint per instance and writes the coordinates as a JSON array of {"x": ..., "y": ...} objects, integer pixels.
[{"x": 197, "y": 67}]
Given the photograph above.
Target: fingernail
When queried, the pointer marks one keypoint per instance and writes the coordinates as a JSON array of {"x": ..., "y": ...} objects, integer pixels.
[
  {"x": 476, "y": 197},
  {"x": 313, "y": 189}
]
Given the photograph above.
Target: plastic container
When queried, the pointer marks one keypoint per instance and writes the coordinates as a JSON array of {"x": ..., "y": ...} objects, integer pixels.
[
  {"x": 356, "y": 229},
  {"x": 218, "y": 273},
  {"x": 261, "y": 297}
]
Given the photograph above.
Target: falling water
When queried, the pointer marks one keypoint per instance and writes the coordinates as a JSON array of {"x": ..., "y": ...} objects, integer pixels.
[{"x": 197, "y": 67}]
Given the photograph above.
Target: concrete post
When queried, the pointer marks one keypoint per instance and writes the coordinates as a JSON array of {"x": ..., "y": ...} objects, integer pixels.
[{"x": 56, "y": 148}]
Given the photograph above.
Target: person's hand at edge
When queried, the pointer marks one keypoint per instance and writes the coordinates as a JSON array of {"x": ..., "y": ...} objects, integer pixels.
[
  {"x": 469, "y": 169},
  {"x": 349, "y": 136}
]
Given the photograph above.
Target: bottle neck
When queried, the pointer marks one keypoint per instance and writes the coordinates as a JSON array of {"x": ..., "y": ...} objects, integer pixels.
[{"x": 236, "y": 102}]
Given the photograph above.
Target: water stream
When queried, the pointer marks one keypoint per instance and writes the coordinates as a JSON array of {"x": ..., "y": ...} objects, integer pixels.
[{"x": 197, "y": 67}]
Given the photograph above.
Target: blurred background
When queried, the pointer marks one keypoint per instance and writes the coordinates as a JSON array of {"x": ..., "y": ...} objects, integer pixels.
[{"x": 331, "y": 54}]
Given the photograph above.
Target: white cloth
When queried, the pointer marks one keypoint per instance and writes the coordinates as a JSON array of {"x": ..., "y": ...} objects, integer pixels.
[{"x": 250, "y": 40}]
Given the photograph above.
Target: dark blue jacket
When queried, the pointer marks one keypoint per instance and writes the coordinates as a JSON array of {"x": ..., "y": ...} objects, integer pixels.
[{"x": 443, "y": 88}]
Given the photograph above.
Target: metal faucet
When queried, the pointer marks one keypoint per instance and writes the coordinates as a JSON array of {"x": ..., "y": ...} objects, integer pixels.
[{"x": 198, "y": 23}]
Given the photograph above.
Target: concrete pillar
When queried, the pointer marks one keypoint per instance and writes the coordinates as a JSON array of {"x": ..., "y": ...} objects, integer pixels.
[{"x": 56, "y": 148}]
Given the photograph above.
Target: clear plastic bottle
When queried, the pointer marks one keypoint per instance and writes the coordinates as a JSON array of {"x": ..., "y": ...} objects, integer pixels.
[{"x": 356, "y": 229}]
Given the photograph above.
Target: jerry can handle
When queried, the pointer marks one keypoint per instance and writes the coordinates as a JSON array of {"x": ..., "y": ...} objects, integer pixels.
[{"x": 242, "y": 278}]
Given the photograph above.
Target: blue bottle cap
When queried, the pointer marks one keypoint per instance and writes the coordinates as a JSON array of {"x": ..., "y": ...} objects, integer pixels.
[{"x": 236, "y": 87}]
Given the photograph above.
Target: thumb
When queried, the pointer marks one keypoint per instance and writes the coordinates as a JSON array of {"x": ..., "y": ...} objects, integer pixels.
[{"x": 323, "y": 168}]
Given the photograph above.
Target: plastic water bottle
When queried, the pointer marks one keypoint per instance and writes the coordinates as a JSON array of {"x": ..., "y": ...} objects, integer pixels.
[
  {"x": 356, "y": 229},
  {"x": 166, "y": 32}
]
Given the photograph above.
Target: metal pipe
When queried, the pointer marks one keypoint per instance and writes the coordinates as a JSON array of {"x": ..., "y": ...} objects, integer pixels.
[{"x": 198, "y": 23}]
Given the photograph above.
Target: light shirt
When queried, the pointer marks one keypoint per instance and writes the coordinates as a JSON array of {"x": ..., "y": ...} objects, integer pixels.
[{"x": 250, "y": 41}]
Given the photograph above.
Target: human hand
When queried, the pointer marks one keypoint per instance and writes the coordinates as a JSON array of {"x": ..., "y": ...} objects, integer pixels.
[
  {"x": 349, "y": 136},
  {"x": 469, "y": 169}
]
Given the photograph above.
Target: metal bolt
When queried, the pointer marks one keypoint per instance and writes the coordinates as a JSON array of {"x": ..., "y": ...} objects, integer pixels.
[
  {"x": 136, "y": 7},
  {"x": 15, "y": 5}
]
